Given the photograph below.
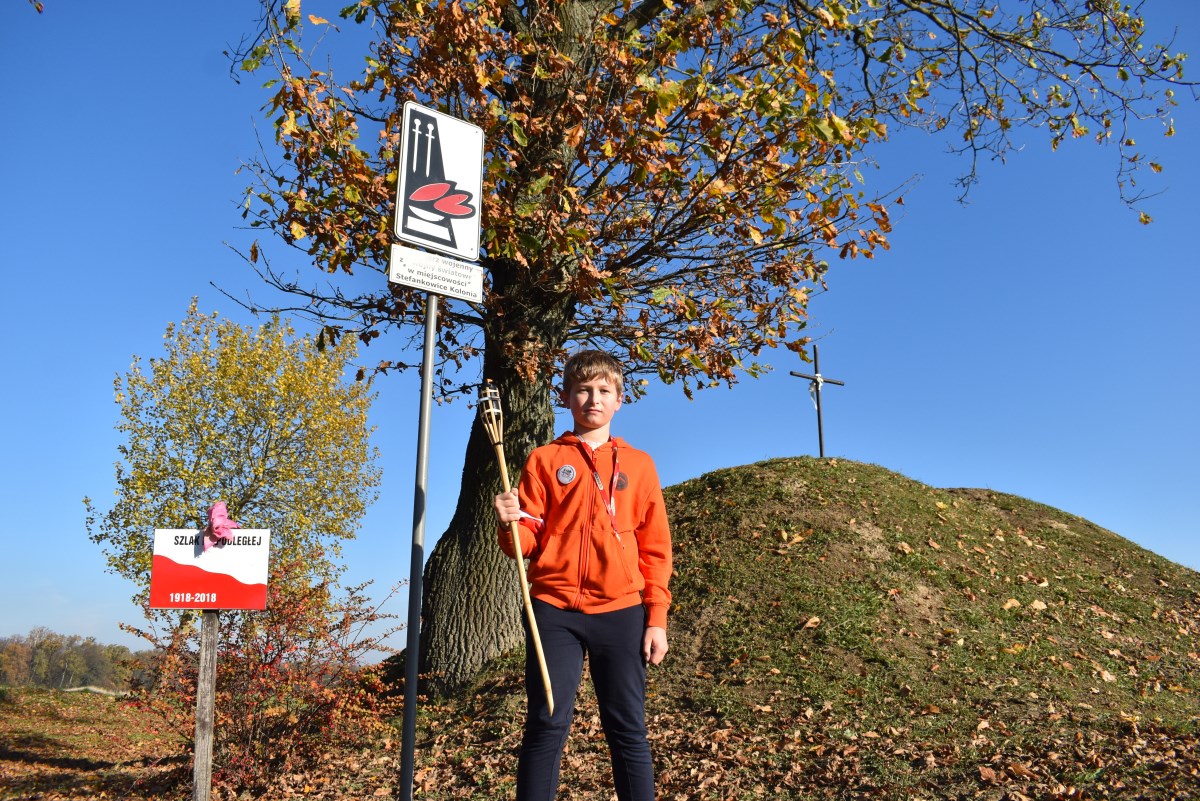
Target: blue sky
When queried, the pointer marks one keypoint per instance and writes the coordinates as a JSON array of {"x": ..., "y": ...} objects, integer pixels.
[{"x": 1037, "y": 341}]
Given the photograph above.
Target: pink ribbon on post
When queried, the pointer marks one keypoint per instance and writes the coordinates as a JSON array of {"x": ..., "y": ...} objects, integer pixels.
[{"x": 220, "y": 527}]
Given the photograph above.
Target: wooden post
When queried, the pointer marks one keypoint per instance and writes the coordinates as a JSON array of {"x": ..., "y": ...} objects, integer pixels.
[{"x": 206, "y": 691}]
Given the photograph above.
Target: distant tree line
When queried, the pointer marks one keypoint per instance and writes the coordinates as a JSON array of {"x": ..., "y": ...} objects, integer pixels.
[{"x": 44, "y": 658}]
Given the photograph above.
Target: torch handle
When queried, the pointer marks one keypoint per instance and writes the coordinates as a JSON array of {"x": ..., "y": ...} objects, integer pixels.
[{"x": 515, "y": 528}]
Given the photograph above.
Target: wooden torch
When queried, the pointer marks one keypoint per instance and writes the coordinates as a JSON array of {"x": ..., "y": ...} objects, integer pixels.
[{"x": 493, "y": 423}]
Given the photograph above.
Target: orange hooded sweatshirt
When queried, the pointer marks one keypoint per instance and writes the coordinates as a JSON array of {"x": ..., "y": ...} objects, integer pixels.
[{"x": 581, "y": 556}]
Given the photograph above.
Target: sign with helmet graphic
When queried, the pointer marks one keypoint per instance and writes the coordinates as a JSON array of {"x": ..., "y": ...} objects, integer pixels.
[{"x": 440, "y": 182}]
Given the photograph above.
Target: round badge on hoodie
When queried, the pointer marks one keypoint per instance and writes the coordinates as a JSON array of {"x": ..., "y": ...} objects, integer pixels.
[{"x": 566, "y": 474}]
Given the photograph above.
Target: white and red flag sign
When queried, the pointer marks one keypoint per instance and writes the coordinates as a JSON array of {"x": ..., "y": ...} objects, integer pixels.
[
  {"x": 440, "y": 181},
  {"x": 230, "y": 574}
]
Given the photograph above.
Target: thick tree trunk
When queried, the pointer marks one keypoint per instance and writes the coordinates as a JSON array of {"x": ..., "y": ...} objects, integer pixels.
[{"x": 472, "y": 607}]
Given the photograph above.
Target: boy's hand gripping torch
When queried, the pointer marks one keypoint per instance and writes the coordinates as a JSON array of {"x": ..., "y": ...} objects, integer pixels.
[{"x": 493, "y": 423}]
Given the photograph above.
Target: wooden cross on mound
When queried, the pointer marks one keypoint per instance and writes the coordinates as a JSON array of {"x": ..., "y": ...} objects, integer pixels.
[{"x": 816, "y": 380}]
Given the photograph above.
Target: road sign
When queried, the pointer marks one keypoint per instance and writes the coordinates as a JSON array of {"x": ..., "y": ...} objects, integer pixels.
[
  {"x": 440, "y": 182},
  {"x": 437, "y": 207},
  {"x": 230, "y": 575}
]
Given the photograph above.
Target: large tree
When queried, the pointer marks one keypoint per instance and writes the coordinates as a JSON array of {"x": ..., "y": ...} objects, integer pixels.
[{"x": 664, "y": 179}]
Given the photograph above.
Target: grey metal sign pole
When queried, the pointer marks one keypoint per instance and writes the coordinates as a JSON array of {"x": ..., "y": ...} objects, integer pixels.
[
  {"x": 816, "y": 381},
  {"x": 412, "y": 653},
  {"x": 438, "y": 188}
]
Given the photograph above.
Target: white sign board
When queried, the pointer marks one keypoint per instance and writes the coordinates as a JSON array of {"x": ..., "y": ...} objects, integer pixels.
[
  {"x": 229, "y": 575},
  {"x": 438, "y": 274},
  {"x": 440, "y": 182}
]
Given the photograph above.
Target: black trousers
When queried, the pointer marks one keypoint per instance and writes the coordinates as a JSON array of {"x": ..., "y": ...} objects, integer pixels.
[{"x": 612, "y": 643}]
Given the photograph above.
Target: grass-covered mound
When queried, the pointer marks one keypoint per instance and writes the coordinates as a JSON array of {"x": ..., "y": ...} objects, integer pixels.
[{"x": 841, "y": 631}]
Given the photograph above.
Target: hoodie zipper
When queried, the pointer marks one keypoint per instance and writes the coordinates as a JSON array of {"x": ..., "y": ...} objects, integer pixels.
[{"x": 584, "y": 542}]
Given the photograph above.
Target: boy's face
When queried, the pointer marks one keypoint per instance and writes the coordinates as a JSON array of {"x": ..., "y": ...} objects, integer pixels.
[{"x": 592, "y": 403}]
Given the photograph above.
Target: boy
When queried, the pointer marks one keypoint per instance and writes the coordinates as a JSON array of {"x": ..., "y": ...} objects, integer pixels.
[{"x": 594, "y": 527}]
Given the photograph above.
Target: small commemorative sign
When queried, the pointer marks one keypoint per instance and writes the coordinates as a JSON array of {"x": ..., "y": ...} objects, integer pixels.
[
  {"x": 229, "y": 575},
  {"x": 437, "y": 274}
]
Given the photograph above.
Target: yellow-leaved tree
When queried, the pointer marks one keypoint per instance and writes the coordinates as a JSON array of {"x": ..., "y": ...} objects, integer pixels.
[
  {"x": 257, "y": 417},
  {"x": 270, "y": 423}
]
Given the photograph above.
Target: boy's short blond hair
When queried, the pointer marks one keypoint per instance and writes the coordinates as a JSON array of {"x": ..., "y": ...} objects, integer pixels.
[{"x": 588, "y": 365}]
